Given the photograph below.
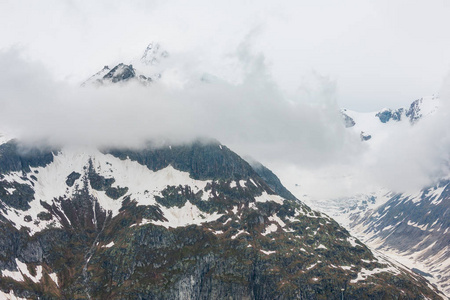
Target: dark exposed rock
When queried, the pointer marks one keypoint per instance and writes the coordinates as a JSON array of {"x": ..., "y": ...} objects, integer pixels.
[
  {"x": 72, "y": 178},
  {"x": 364, "y": 136},
  {"x": 121, "y": 72},
  {"x": 413, "y": 113},
  {"x": 388, "y": 114},
  {"x": 202, "y": 160},
  {"x": 20, "y": 159}
]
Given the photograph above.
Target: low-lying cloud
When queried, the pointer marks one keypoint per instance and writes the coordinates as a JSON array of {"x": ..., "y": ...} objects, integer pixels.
[
  {"x": 252, "y": 116},
  {"x": 302, "y": 137}
]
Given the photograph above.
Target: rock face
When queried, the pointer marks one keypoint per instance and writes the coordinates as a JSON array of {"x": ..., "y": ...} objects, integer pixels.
[
  {"x": 177, "y": 222},
  {"x": 388, "y": 114}
]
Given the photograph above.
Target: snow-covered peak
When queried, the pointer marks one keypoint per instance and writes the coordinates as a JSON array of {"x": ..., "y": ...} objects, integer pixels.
[{"x": 143, "y": 70}]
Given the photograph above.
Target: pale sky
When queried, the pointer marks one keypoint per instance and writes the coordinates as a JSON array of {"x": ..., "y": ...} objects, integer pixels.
[{"x": 378, "y": 53}]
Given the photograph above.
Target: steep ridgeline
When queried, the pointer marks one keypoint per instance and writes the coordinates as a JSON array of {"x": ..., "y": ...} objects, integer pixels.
[
  {"x": 415, "y": 227},
  {"x": 178, "y": 222}
]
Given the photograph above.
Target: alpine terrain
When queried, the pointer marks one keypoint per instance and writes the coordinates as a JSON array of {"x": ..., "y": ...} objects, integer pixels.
[{"x": 182, "y": 221}]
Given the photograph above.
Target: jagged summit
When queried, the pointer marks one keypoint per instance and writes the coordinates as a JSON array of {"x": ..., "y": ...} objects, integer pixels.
[{"x": 122, "y": 73}]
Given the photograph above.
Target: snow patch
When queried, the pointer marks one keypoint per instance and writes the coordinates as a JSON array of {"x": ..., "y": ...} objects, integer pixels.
[
  {"x": 269, "y": 229},
  {"x": 265, "y": 197},
  {"x": 268, "y": 252},
  {"x": 9, "y": 296},
  {"x": 108, "y": 245},
  {"x": 187, "y": 215},
  {"x": 54, "y": 277}
]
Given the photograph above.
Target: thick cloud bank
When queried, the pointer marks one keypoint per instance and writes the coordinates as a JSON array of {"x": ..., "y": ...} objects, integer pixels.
[{"x": 252, "y": 116}]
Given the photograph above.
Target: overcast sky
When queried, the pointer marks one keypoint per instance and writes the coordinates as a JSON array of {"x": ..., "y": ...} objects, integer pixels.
[{"x": 379, "y": 53}]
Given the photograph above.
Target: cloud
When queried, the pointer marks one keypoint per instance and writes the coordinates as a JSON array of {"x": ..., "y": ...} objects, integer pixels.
[{"x": 252, "y": 116}]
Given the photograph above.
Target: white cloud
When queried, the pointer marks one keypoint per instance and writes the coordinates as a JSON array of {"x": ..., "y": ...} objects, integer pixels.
[{"x": 252, "y": 116}]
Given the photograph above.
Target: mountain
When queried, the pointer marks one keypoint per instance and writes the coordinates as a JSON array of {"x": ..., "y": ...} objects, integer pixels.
[
  {"x": 121, "y": 73},
  {"x": 191, "y": 221},
  {"x": 412, "y": 227}
]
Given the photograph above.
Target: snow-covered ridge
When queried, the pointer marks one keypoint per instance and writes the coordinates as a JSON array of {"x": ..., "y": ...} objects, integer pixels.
[
  {"x": 49, "y": 183},
  {"x": 142, "y": 185},
  {"x": 375, "y": 126}
]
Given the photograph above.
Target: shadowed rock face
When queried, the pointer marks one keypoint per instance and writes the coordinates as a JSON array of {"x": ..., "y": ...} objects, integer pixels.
[{"x": 182, "y": 222}]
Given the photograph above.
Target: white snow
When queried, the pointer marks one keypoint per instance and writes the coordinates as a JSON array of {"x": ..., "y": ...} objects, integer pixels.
[
  {"x": 269, "y": 229},
  {"x": 10, "y": 190},
  {"x": 265, "y": 197},
  {"x": 23, "y": 271},
  {"x": 16, "y": 275},
  {"x": 321, "y": 247},
  {"x": 54, "y": 277},
  {"x": 268, "y": 252},
  {"x": 275, "y": 218},
  {"x": 239, "y": 233},
  {"x": 9, "y": 296},
  {"x": 189, "y": 214},
  {"x": 109, "y": 245},
  {"x": 364, "y": 273},
  {"x": 352, "y": 241}
]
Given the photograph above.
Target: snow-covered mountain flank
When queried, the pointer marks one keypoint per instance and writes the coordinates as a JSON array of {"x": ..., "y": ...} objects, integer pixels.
[{"x": 191, "y": 221}]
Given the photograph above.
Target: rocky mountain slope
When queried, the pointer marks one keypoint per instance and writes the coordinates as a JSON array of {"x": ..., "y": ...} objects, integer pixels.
[{"x": 176, "y": 222}]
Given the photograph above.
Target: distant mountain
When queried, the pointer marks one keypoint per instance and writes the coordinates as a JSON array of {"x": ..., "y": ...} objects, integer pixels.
[
  {"x": 375, "y": 124},
  {"x": 412, "y": 227},
  {"x": 192, "y": 221}
]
